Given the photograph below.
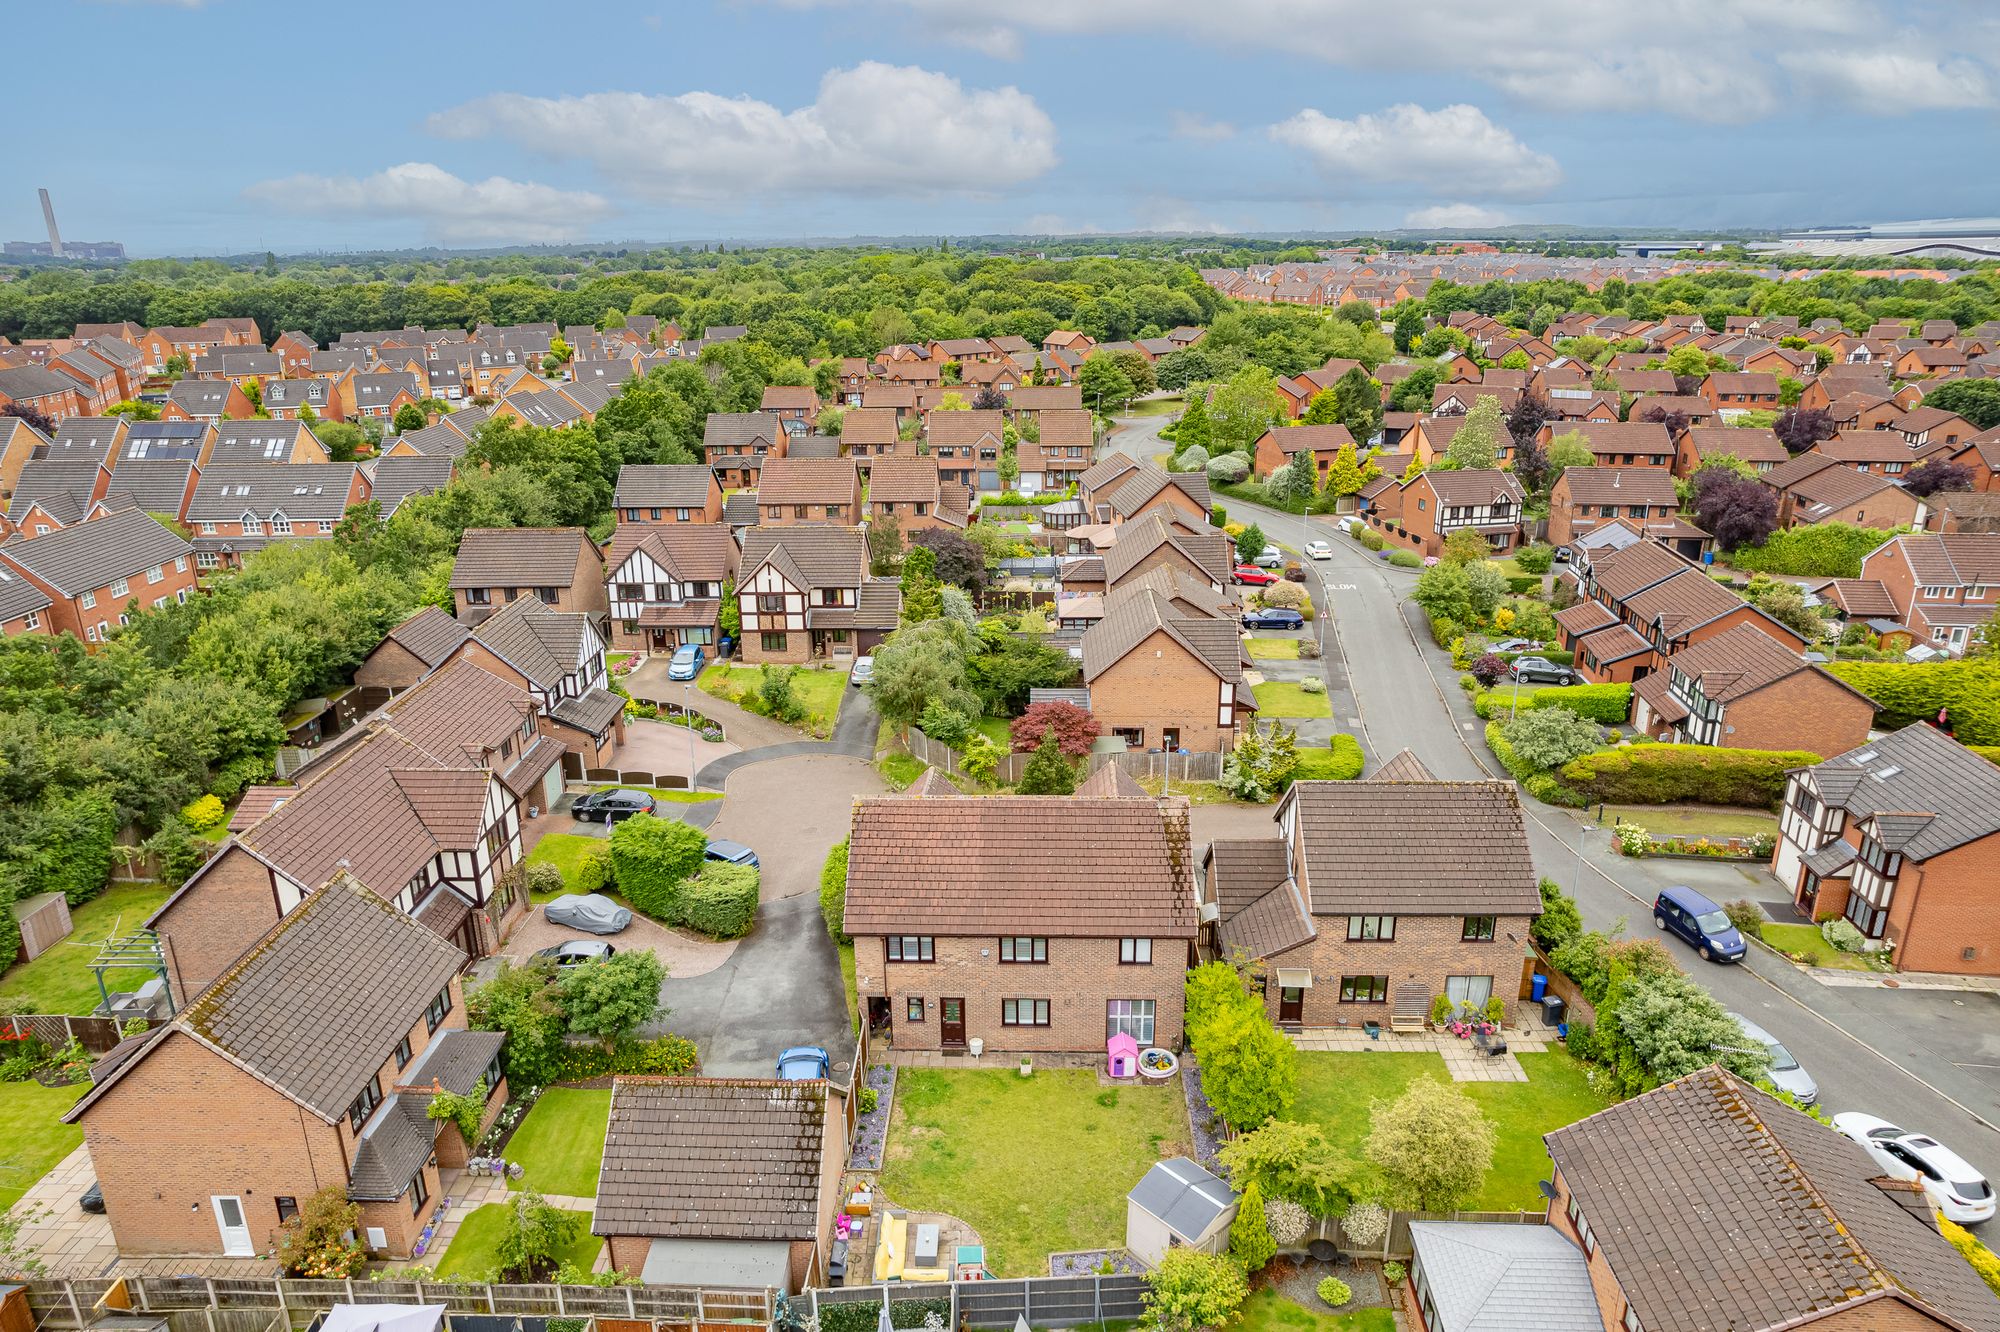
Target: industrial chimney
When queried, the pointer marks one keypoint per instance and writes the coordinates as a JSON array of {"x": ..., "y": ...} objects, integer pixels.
[{"x": 49, "y": 216}]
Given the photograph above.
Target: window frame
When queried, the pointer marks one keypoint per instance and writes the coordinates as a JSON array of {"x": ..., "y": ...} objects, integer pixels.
[
  {"x": 438, "y": 1009},
  {"x": 364, "y": 1103},
  {"x": 1010, "y": 949},
  {"x": 1038, "y": 1013},
  {"x": 1385, "y": 929},
  {"x": 1130, "y": 948},
  {"x": 1469, "y": 927},
  {"x": 913, "y": 1008},
  {"x": 1378, "y": 990},
  {"x": 926, "y": 948}
]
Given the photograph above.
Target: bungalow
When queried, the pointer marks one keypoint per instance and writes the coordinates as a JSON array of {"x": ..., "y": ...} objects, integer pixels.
[{"x": 1745, "y": 690}]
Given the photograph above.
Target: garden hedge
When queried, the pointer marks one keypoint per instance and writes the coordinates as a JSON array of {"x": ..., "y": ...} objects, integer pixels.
[
  {"x": 721, "y": 900},
  {"x": 1672, "y": 774},
  {"x": 1523, "y": 584},
  {"x": 1914, "y": 691},
  {"x": 1821, "y": 550},
  {"x": 1342, "y": 761},
  {"x": 865, "y": 1315},
  {"x": 651, "y": 858},
  {"x": 1991, "y": 753},
  {"x": 1609, "y": 704},
  {"x": 833, "y": 892},
  {"x": 1406, "y": 559},
  {"x": 1541, "y": 785}
]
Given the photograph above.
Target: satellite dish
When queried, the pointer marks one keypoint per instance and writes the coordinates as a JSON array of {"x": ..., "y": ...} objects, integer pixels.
[{"x": 1548, "y": 1188}]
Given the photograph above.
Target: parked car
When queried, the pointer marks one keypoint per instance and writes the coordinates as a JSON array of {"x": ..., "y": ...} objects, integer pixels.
[
  {"x": 1514, "y": 645},
  {"x": 735, "y": 853},
  {"x": 1294, "y": 572},
  {"x": 92, "y": 1200},
  {"x": 802, "y": 1063},
  {"x": 1273, "y": 618},
  {"x": 612, "y": 804},
  {"x": 687, "y": 662},
  {"x": 1683, "y": 911},
  {"x": 1251, "y": 574},
  {"x": 1951, "y": 1184},
  {"x": 1786, "y": 1075},
  {"x": 593, "y": 913},
  {"x": 1270, "y": 558},
  {"x": 1319, "y": 550},
  {"x": 862, "y": 672},
  {"x": 575, "y": 953},
  {"x": 1533, "y": 669}
]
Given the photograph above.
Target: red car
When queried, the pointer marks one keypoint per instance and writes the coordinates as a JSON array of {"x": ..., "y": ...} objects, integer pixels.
[{"x": 1250, "y": 573}]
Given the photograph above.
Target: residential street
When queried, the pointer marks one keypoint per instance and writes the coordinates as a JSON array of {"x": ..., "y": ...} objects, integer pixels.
[{"x": 1924, "y": 1059}]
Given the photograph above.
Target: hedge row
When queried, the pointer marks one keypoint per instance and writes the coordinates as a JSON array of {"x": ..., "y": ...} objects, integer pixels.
[
  {"x": 1967, "y": 691},
  {"x": 1543, "y": 786},
  {"x": 1609, "y": 704},
  {"x": 1672, "y": 774},
  {"x": 1821, "y": 550},
  {"x": 721, "y": 900},
  {"x": 1341, "y": 761}
]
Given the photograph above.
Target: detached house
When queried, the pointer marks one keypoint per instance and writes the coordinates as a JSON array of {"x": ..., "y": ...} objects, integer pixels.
[
  {"x": 1814, "y": 488},
  {"x": 1900, "y": 836},
  {"x": 1942, "y": 587},
  {"x": 93, "y": 572},
  {"x": 796, "y": 490},
  {"x": 310, "y": 1062},
  {"x": 967, "y": 446},
  {"x": 665, "y": 584},
  {"x": 1643, "y": 497},
  {"x": 805, "y": 594},
  {"x": 209, "y": 400},
  {"x": 1061, "y": 456},
  {"x": 1642, "y": 602},
  {"x": 1733, "y": 393},
  {"x": 1745, "y": 690},
  {"x": 1277, "y": 447},
  {"x": 1700, "y": 445},
  {"x": 666, "y": 494},
  {"x": 1378, "y": 896},
  {"x": 1026, "y": 923},
  {"x": 909, "y": 491},
  {"x": 870, "y": 433},
  {"x": 496, "y": 565},
  {"x": 1163, "y": 676},
  {"x": 1423, "y": 512},
  {"x": 735, "y": 445},
  {"x": 1634, "y": 443}
]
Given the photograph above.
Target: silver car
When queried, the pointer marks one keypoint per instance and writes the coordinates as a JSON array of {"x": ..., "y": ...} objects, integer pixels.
[
  {"x": 862, "y": 672},
  {"x": 1786, "y": 1074}
]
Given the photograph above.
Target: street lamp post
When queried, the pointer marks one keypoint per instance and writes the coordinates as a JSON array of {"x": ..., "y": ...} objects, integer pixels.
[{"x": 687, "y": 719}]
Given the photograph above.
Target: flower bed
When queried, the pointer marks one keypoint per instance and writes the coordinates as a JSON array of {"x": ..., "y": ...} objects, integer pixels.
[
  {"x": 1201, "y": 1116},
  {"x": 1093, "y": 1262},
  {"x": 871, "y": 1127},
  {"x": 1635, "y": 841}
]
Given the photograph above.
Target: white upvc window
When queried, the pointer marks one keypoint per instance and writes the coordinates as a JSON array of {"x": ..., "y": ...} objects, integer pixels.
[
  {"x": 88, "y": 600},
  {"x": 122, "y": 588},
  {"x": 156, "y": 573}
]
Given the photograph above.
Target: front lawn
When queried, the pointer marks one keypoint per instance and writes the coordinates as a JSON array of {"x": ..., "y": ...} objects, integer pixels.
[
  {"x": 1694, "y": 820},
  {"x": 560, "y": 1144},
  {"x": 1036, "y": 1165},
  {"x": 1268, "y": 1311},
  {"x": 899, "y": 770},
  {"x": 474, "y": 1254},
  {"x": 1273, "y": 649},
  {"x": 1155, "y": 407},
  {"x": 1284, "y": 698},
  {"x": 566, "y": 852},
  {"x": 32, "y": 1137},
  {"x": 819, "y": 690},
  {"x": 1807, "y": 940},
  {"x": 1335, "y": 1091},
  {"x": 60, "y": 980}
]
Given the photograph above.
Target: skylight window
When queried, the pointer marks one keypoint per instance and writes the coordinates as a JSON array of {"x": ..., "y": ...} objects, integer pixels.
[{"x": 1887, "y": 773}]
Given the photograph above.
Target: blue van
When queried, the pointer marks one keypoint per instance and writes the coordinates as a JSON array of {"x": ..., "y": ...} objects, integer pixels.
[{"x": 1701, "y": 922}]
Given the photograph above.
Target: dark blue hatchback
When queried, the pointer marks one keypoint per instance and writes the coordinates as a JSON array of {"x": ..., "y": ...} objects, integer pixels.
[{"x": 1701, "y": 922}]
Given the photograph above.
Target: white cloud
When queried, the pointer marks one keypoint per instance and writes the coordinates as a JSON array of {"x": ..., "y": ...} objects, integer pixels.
[
  {"x": 451, "y": 209},
  {"x": 1453, "y": 215},
  {"x": 1454, "y": 149},
  {"x": 1894, "y": 82},
  {"x": 1193, "y": 125},
  {"x": 996, "y": 40},
  {"x": 875, "y": 129}
]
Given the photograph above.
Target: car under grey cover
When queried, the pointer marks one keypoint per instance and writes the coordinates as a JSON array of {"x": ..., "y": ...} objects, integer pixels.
[{"x": 593, "y": 913}]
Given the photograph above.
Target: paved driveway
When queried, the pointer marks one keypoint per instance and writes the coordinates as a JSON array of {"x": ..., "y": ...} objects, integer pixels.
[
  {"x": 656, "y": 747},
  {"x": 683, "y": 954},
  {"x": 791, "y": 811}
]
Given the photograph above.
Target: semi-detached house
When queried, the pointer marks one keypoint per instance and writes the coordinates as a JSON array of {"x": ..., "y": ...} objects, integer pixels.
[
  {"x": 94, "y": 572},
  {"x": 240, "y": 508}
]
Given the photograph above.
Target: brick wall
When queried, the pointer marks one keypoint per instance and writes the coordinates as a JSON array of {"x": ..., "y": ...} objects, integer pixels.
[
  {"x": 1943, "y": 906},
  {"x": 1160, "y": 685},
  {"x": 1425, "y": 951},
  {"x": 1610, "y": 1295},
  {"x": 210, "y": 925},
  {"x": 797, "y": 650}
]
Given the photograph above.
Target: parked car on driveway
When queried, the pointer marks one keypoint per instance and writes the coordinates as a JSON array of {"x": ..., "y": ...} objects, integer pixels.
[
  {"x": 735, "y": 853},
  {"x": 1319, "y": 550},
  {"x": 1683, "y": 911},
  {"x": 687, "y": 662},
  {"x": 1951, "y": 1184},
  {"x": 1251, "y": 574},
  {"x": 1514, "y": 645},
  {"x": 1786, "y": 1075},
  {"x": 575, "y": 953},
  {"x": 1269, "y": 558},
  {"x": 593, "y": 913},
  {"x": 802, "y": 1063},
  {"x": 1540, "y": 670},
  {"x": 612, "y": 804},
  {"x": 1273, "y": 618},
  {"x": 862, "y": 672}
]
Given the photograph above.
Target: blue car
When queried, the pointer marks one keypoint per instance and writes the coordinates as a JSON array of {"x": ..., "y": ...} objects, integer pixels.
[
  {"x": 802, "y": 1063},
  {"x": 687, "y": 662},
  {"x": 1273, "y": 618},
  {"x": 1685, "y": 912},
  {"x": 733, "y": 853}
]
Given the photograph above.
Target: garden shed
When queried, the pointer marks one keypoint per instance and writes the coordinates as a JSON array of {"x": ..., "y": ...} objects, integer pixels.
[
  {"x": 1178, "y": 1204},
  {"x": 44, "y": 922}
]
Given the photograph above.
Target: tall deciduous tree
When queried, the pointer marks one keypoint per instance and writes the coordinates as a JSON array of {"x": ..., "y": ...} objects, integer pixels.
[
  {"x": 1432, "y": 1145},
  {"x": 1939, "y": 474},
  {"x": 1733, "y": 509},
  {"x": 1799, "y": 428},
  {"x": 1477, "y": 443}
]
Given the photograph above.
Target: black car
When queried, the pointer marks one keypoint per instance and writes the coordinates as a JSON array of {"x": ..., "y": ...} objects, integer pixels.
[
  {"x": 1531, "y": 670},
  {"x": 1273, "y": 618},
  {"x": 609, "y": 806}
]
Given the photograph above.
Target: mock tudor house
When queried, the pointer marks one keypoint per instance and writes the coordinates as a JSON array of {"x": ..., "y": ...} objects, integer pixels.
[
  {"x": 1423, "y": 512},
  {"x": 1743, "y": 689},
  {"x": 1378, "y": 896},
  {"x": 804, "y": 594},
  {"x": 92, "y": 572},
  {"x": 310, "y": 1062},
  {"x": 1902, "y": 837},
  {"x": 1025, "y": 923},
  {"x": 666, "y": 494},
  {"x": 666, "y": 585},
  {"x": 559, "y": 565}
]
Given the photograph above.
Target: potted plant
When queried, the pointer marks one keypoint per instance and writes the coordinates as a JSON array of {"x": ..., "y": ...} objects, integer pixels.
[
  {"x": 1027, "y": 1066},
  {"x": 1440, "y": 1011},
  {"x": 1496, "y": 1011}
]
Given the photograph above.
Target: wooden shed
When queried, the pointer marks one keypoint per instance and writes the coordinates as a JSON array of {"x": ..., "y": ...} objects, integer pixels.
[{"x": 44, "y": 922}]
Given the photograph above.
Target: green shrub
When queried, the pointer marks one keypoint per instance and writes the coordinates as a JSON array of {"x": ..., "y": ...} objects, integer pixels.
[
  {"x": 593, "y": 870},
  {"x": 1968, "y": 691},
  {"x": 543, "y": 878},
  {"x": 1821, "y": 550},
  {"x": 1444, "y": 632},
  {"x": 1548, "y": 738},
  {"x": 1371, "y": 540},
  {"x": 1520, "y": 584},
  {"x": 1406, "y": 559},
  {"x": 1991, "y": 753},
  {"x": 650, "y": 859},
  {"x": 1671, "y": 774},
  {"x": 833, "y": 892},
  {"x": 945, "y": 724},
  {"x": 1217, "y": 515},
  {"x": 1334, "y": 1292},
  {"x": 204, "y": 814},
  {"x": 1608, "y": 704},
  {"x": 721, "y": 901},
  {"x": 664, "y": 1056},
  {"x": 1842, "y": 934},
  {"x": 1746, "y": 916},
  {"x": 864, "y": 1316},
  {"x": 1536, "y": 559},
  {"x": 1341, "y": 761}
]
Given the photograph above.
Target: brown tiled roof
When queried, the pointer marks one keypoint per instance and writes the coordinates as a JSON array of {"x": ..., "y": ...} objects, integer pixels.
[
  {"x": 1403, "y": 766},
  {"x": 1273, "y": 923},
  {"x": 1752, "y": 446},
  {"x": 1654, "y": 690},
  {"x": 1864, "y": 598},
  {"x": 706, "y": 1158},
  {"x": 1952, "y": 559},
  {"x": 311, "y": 836},
  {"x": 1682, "y": 602},
  {"x": 808, "y": 481},
  {"x": 1139, "y": 541},
  {"x": 1054, "y": 865},
  {"x": 1475, "y": 486},
  {"x": 739, "y": 428},
  {"x": 932, "y": 782},
  {"x": 460, "y": 710},
  {"x": 824, "y": 555},
  {"x": 1065, "y": 427},
  {"x": 966, "y": 427},
  {"x": 1742, "y": 661},
  {"x": 1619, "y": 485},
  {"x": 1131, "y": 616},
  {"x": 903, "y": 480},
  {"x": 1584, "y": 617},
  {"x": 1865, "y": 446},
  {"x": 1105, "y": 471},
  {"x": 785, "y": 397},
  {"x": 1635, "y": 437},
  {"x": 1108, "y": 782},
  {"x": 1717, "y": 1206},
  {"x": 666, "y": 485},
  {"x": 695, "y": 552},
  {"x": 542, "y": 643},
  {"x": 1241, "y": 870},
  {"x": 1836, "y": 488},
  {"x": 1622, "y": 573},
  {"x": 1291, "y": 439},
  {"x": 869, "y": 425},
  {"x": 1614, "y": 642},
  {"x": 518, "y": 556},
  {"x": 1797, "y": 469},
  {"x": 1414, "y": 848},
  {"x": 879, "y": 604}
]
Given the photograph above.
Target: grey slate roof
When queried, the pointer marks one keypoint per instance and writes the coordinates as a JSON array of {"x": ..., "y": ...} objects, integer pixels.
[
  {"x": 1414, "y": 848},
  {"x": 1502, "y": 1278},
  {"x": 437, "y": 441},
  {"x": 740, "y": 509},
  {"x": 255, "y": 441},
  {"x": 724, "y": 428},
  {"x": 518, "y": 557},
  {"x": 394, "y": 1145},
  {"x": 18, "y": 596},
  {"x": 201, "y": 397},
  {"x": 68, "y": 482},
  {"x": 91, "y": 436},
  {"x": 1918, "y": 770},
  {"x": 394, "y": 480},
  {"x": 309, "y": 492},
  {"x": 663, "y": 485},
  {"x": 89, "y": 555},
  {"x": 157, "y": 485},
  {"x": 27, "y": 382},
  {"x": 1183, "y": 1195},
  {"x": 166, "y": 439},
  {"x": 590, "y": 712}
]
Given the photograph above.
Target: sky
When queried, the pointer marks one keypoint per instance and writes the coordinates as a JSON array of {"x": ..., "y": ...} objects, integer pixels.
[{"x": 292, "y": 126}]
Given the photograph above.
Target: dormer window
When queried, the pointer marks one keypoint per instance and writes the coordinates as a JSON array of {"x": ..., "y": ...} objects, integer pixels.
[
  {"x": 252, "y": 526},
  {"x": 280, "y": 524}
]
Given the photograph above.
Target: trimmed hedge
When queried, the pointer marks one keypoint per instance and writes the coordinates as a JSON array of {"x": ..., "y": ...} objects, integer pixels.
[
  {"x": 721, "y": 900},
  {"x": 651, "y": 858},
  {"x": 1674, "y": 774},
  {"x": 1915, "y": 691},
  {"x": 1991, "y": 753},
  {"x": 1609, "y": 704},
  {"x": 1342, "y": 761},
  {"x": 833, "y": 892},
  {"x": 1406, "y": 559},
  {"x": 1821, "y": 550},
  {"x": 1522, "y": 584},
  {"x": 1541, "y": 785}
]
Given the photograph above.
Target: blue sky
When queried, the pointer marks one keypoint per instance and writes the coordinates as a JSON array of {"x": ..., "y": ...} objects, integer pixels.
[{"x": 304, "y": 126}]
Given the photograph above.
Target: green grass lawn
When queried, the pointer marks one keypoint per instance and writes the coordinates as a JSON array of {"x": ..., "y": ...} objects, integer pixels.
[
  {"x": 475, "y": 1250},
  {"x": 1694, "y": 820},
  {"x": 613, "y": 660},
  {"x": 1035, "y": 1165},
  {"x": 1268, "y": 1311},
  {"x": 1808, "y": 940},
  {"x": 995, "y": 729},
  {"x": 899, "y": 770},
  {"x": 819, "y": 690},
  {"x": 1335, "y": 1091},
  {"x": 1156, "y": 407},
  {"x": 60, "y": 980},
  {"x": 1504, "y": 693},
  {"x": 1273, "y": 649},
  {"x": 846, "y": 952},
  {"x": 565, "y": 851},
  {"x": 32, "y": 1137},
  {"x": 1284, "y": 698},
  {"x": 561, "y": 1142}
]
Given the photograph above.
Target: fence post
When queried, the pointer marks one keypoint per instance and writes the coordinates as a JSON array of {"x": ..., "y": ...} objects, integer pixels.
[
  {"x": 491, "y": 1306},
  {"x": 1097, "y": 1296},
  {"x": 69, "y": 1289},
  {"x": 560, "y": 1310},
  {"x": 1388, "y": 1234},
  {"x": 208, "y": 1316},
  {"x": 631, "y": 1304},
  {"x": 954, "y": 1305},
  {"x": 420, "y": 1292},
  {"x": 350, "y": 1289},
  {"x": 700, "y": 1306},
  {"x": 813, "y": 1291},
  {"x": 284, "y": 1309}
]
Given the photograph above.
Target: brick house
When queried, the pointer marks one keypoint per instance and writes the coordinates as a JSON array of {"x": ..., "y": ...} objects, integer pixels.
[
  {"x": 1276, "y": 447},
  {"x": 1183, "y": 497},
  {"x": 1744, "y": 690},
  {"x": 666, "y": 585},
  {"x": 1584, "y": 497},
  {"x": 909, "y": 490},
  {"x": 1162, "y": 538},
  {"x": 309, "y": 1063},
  {"x": 870, "y": 433},
  {"x": 651, "y": 494},
  {"x": 1736, "y": 392},
  {"x": 1423, "y": 888},
  {"x": 1427, "y": 509},
  {"x": 240, "y": 508},
  {"x": 18, "y": 443},
  {"x": 1844, "y": 1247},
  {"x": 496, "y": 565},
  {"x": 804, "y": 594},
  {"x": 1643, "y": 602},
  {"x": 1060, "y": 457},
  {"x": 264, "y": 442},
  {"x": 1699, "y": 445},
  {"x": 736, "y": 444},
  {"x": 40, "y": 389},
  {"x": 1902, "y": 837},
  {"x": 1941, "y": 586},
  {"x": 1924, "y": 425},
  {"x": 1633, "y": 443},
  {"x": 208, "y": 400},
  {"x": 1027, "y": 923},
  {"x": 796, "y": 491},
  {"x": 1163, "y": 676},
  {"x": 291, "y": 399},
  {"x": 790, "y": 403},
  {"x": 56, "y": 491},
  {"x": 1813, "y": 488},
  {"x": 731, "y": 1182},
  {"x": 967, "y": 446},
  {"x": 24, "y": 608},
  {"x": 1876, "y": 451},
  {"x": 93, "y": 572}
]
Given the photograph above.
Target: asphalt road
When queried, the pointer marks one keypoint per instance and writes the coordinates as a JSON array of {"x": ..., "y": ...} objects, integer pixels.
[{"x": 1928, "y": 1060}]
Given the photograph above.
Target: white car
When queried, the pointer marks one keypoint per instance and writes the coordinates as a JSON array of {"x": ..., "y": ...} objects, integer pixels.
[
  {"x": 1786, "y": 1075},
  {"x": 1950, "y": 1182},
  {"x": 863, "y": 671},
  {"x": 1319, "y": 550}
]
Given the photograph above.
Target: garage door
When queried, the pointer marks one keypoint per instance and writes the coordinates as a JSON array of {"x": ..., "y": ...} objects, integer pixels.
[{"x": 552, "y": 785}]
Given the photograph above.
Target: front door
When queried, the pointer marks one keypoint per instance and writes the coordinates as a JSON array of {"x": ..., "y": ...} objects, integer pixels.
[
  {"x": 1291, "y": 1004},
  {"x": 951, "y": 1023},
  {"x": 235, "y": 1229}
]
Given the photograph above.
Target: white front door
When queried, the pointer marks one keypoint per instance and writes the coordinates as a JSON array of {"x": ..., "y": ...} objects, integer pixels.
[{"x": 235, "y": 1229}]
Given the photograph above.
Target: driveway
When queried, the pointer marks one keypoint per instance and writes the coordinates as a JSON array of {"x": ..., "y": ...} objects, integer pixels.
[
  {"x": 683, "y": 954},
  {"x": 791, "y": 811},
  {"x": 656, "y": 747}
]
